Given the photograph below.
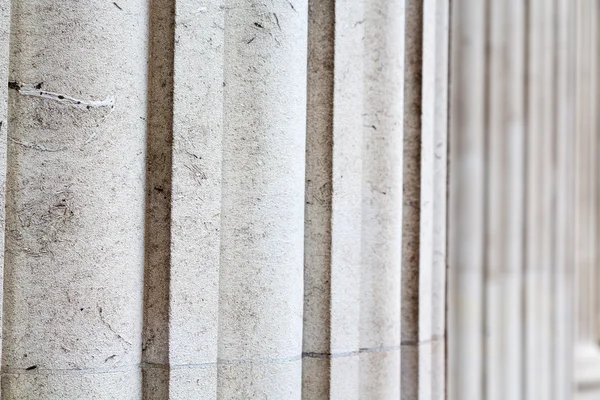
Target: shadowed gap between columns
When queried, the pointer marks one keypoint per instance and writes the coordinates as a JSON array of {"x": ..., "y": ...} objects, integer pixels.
[
  {"x": 411, "y": 203},
  {"x": 155, "y": 341},
  {"x": 316, "y": 378}
]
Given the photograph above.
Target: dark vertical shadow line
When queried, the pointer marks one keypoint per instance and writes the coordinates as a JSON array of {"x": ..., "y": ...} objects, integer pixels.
[
  {"x": 411, "y": 198},
  {"x": 157, "y": 268},
  {"x": 319, "y": 116},
  {"x": 487, "y": 42}
]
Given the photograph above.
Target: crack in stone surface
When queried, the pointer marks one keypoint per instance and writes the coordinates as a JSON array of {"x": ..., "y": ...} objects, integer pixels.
[{"x": 35, "y": 90}]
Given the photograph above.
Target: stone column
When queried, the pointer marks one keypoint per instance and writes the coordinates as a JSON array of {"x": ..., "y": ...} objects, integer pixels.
[
  {"x": 504, "y": 200},
  {"x": 513, "y": 189},
  {"x": 262, "y": 211},
  {"x": 587, "y": 351},
  {"x": 466, "y": 197},
  {"x": 424, "y": 207},
  {"x": 332, "y": 255},
  {"x": 563, "y": 293},
  {"x": 184, "y": 200},
  {"x": 75, "y": 200},
  {"x": 354, "y": 200},
  {"x": 539, "y": 199},
  {"x": 382, "y": 183}
]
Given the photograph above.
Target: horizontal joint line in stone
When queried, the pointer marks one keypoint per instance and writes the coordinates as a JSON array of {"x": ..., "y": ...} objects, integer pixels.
[
  {"x": 352, "y": 353},
  {"x": 250, "y": 361},
  {"x": 433, "y": 339}
]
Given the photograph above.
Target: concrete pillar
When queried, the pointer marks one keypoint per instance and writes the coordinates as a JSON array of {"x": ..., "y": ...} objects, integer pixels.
[
  {"x": 466, "y": 197},
  {"x": 425, "y": 188},
  {"x": 262, "y": 211},
  {"x": 75, "y": 216}
]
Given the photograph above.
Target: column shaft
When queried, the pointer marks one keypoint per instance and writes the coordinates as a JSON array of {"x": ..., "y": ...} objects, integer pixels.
[
  {"x": 424, "y": 208},
  {"x": 75, "y": 200},
  {"x": 382, "y": 183},
  {"x": 262, "y": 214},
  {"x": 466, "y": 197},
  {"x": 333, "y": 200}
]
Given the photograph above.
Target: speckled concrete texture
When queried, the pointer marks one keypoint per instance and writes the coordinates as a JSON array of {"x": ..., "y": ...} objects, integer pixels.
[
  {"x": 75, "y": 179},
  {"x": 262, "y": 210}
]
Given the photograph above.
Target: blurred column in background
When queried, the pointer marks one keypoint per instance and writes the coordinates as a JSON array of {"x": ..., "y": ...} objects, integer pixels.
[{"x": 523, "y": 199}]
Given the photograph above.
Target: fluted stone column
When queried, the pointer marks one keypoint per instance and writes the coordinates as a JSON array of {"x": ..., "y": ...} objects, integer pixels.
[
  {"x": 587, "y": 351},
  {"x": 354, "y": 200},
  {"x": 511, "y": 353},
  {"x": 539, "y": 198},
  {"x": 505, "y": 195},
  {"x": 425, "y": 188},
  {"x": 331, "y": 341},
  {"x": 466, "y": 202},
  {"x": 382, "y": 187},
  {"x": 75, "y": 216},
  {"x": 563, "y": 302},
  {"x": 184, "y": 200},
  {"x": 262, "y": 212}
]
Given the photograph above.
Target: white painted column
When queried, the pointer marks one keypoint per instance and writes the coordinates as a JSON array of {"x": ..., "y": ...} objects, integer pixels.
[
  {"x": 466, "y": 197},
  {"x": 75, "y": 200},
  {"x": 262, "y": 212}
]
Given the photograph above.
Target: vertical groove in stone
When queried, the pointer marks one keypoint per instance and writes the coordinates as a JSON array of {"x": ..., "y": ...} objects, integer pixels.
[
  {"x": 75, "y": 200},
  {"x": 381, "y": 223},
  {"x": 411, "y": 210},
  {"x": 261, "y": 271},
  {"x": 425, "y": 189},
  {"x": 196, "y": 199},
  {"x": 333, "y": 200},
  {"x": 318, "y": 208},
  {"x": 157, "y": 274},
  {"x": 466, "y": 208}
]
